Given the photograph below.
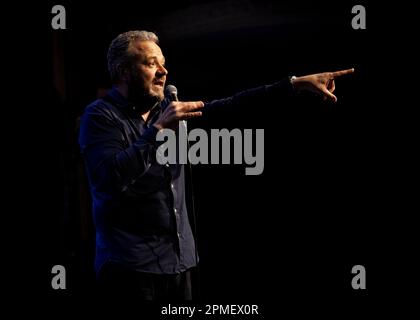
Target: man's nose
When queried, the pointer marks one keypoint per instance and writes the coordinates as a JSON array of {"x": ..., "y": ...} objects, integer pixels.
[{"x": 161, "y": 71}]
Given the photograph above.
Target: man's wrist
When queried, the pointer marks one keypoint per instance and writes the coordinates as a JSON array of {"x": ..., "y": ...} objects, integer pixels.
[
  {"x": 298, "y": 83},
  {"x": 292, "y": 80}
]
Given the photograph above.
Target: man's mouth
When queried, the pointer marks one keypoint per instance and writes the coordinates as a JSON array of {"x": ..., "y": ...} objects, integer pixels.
[{"x": 160, "y": 83}]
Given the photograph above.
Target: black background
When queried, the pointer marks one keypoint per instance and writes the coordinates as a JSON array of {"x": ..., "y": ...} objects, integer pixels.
[{"x": 329, "y": 196}]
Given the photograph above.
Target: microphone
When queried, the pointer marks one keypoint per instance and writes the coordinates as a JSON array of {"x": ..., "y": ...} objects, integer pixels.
[{"x": 171, "y": 93}]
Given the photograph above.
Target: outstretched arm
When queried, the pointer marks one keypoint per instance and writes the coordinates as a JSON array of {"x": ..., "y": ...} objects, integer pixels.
[{"x": 320, "y": 83}]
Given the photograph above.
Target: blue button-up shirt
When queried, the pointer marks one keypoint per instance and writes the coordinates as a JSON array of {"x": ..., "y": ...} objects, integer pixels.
[{"x": 139, "y": 206}]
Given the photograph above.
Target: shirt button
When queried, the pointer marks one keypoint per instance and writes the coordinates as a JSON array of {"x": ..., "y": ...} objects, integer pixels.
[
  {"x": 175, "y": 210},
  {"x": 172, "y": 185},
  {"x": 179, "y": 235}
]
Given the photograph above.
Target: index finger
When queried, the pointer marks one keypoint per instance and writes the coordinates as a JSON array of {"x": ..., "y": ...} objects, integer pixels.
[
  {"x": 342, "y": 72},
  {"x": 193, "y": 105}
]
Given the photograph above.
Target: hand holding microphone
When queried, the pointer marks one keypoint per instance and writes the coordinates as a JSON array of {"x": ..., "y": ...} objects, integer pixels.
[{"x": 177, "y": 110}]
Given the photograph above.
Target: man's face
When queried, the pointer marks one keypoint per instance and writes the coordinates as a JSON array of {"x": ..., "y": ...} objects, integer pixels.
[{"x": 148, "y": 75}]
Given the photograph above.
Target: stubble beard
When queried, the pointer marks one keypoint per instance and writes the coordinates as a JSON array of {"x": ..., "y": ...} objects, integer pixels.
[{"x": 144, "y": 98}]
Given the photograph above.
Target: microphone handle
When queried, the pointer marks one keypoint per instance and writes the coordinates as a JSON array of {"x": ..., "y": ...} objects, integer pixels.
[{"x": 174, "y": 97}]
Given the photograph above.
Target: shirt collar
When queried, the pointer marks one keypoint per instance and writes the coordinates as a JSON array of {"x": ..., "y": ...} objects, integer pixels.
[{"x": 122, "y": 102}]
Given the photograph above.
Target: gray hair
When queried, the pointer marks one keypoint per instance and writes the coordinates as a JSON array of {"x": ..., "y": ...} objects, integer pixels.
[{"x": 121, "y": 52}]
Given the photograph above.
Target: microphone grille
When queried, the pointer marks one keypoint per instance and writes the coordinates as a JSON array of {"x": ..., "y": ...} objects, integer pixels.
[{"x": 171, "y": 90}]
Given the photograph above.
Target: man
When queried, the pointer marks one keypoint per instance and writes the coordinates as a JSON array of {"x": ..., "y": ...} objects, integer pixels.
[{"x": 145, "y": 247}]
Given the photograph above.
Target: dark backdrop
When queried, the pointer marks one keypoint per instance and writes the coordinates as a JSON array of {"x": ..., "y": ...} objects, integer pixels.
[{"x": 293, "y": 232}]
